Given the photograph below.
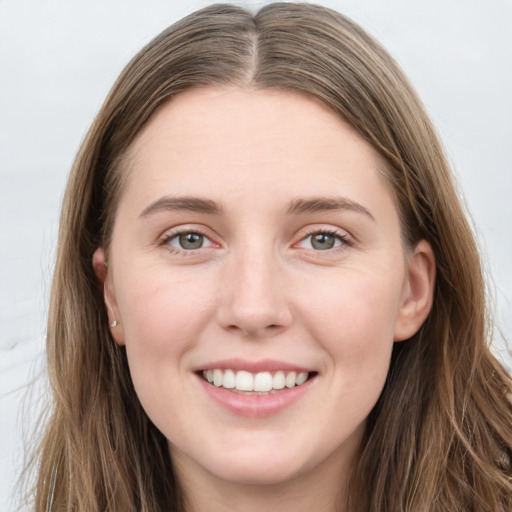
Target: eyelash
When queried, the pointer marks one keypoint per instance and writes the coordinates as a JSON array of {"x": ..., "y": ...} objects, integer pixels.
[{"x": 167, "y": 238}]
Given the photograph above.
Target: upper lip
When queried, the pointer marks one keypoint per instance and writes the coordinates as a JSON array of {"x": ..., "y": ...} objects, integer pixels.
[{"x": 261, "y": 365}]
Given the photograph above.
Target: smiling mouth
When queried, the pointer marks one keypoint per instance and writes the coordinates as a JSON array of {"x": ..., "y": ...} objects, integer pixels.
[{"x": 261, "y": 383}]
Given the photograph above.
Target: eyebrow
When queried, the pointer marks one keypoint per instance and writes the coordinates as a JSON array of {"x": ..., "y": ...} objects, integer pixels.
[
  {"x": 296, "y": 207},
  {"x": 182, "y": 203},
  {"x": 323, "y": 204}
]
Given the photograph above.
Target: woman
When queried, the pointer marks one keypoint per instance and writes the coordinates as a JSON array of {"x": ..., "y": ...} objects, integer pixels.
[{"x": 266, "y": 293}]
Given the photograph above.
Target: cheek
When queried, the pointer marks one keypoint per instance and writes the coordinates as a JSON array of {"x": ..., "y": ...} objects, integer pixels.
[
  {"x": 356, "y": 331},
  {"x": 354, "y": 309},
  {"x": 353, "y": 319},
  {"x": 159, "y": 309},
  {"x": 162, "y": 321}
]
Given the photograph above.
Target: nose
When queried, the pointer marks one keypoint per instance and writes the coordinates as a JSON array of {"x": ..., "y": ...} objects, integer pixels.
[{"x": 254, "y": 298}]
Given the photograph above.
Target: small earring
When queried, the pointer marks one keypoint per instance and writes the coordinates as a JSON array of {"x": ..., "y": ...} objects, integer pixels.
[{"x": 114, "y": 323}]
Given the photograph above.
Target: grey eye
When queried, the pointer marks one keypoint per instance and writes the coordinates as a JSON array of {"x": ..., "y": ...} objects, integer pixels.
[
  {"x": 322, "y": 241},
  {"x": 188, "y": 241},
  {"x": 191, "y": 241}
]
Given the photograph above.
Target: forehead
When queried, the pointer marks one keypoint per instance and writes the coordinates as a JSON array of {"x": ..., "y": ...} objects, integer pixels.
[{"x": 250, "y": 139}]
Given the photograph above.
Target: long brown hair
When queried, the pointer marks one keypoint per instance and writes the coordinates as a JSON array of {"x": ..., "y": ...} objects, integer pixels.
[{"x": 440, "y": 436}]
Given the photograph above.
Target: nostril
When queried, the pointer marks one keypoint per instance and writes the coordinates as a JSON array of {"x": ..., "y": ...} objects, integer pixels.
[{"x": 271, "y": 329}]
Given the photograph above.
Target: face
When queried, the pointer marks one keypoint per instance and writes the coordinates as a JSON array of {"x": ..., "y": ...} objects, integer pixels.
[{"x": 257, "y": 246}]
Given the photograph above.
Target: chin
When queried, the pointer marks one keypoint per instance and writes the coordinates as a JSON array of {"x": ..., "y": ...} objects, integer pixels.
[
  {"x": 261, "y": 474},
  {"x": 259, "y": 465}
]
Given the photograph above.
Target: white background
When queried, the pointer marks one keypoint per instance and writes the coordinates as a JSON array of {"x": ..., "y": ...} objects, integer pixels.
[{"x": 58, "y": 59}]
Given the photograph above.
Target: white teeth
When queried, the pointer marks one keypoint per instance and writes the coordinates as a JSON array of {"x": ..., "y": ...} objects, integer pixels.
[
  {"x": 301, "y": 378},
  {"x": 217, "y": 378},
  {"x": 290, "y": 380},
  {"x": 229, "y": 379},
  {"x": 278, "y": 380},
  {"x": 244, "y": 381},
  {"x": 262, "y": 382}
]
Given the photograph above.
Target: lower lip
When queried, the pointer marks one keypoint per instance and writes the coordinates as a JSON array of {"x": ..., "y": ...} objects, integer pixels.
[{"x": 256, "y": 406}]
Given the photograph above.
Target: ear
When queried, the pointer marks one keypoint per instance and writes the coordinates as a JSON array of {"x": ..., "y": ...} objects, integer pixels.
[
  {"x": 99, "y": 265},
  {"x": 418, "y": 291}
]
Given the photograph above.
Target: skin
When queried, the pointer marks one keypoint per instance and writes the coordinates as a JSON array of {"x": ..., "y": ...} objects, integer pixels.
[{"x": 258, "y": 289}]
